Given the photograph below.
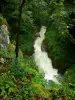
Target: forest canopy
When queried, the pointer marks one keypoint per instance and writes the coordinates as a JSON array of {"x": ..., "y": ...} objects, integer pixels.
[{"x": 20, "y": 78}]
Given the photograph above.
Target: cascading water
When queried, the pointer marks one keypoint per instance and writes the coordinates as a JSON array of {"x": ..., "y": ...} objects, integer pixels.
[{"x": 41, "y": 58}]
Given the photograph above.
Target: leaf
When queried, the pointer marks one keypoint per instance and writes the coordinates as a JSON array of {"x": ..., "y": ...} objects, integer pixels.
[
  {"x": 7, "y": 85},
  {"x": 11, "y": 89}
]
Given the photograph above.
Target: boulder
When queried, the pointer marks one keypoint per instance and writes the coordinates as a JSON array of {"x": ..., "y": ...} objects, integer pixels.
[{"x": 4, "y": 37}]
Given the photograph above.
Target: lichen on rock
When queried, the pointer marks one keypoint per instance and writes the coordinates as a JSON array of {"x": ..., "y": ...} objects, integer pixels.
[{"x": 4, "y": 37}]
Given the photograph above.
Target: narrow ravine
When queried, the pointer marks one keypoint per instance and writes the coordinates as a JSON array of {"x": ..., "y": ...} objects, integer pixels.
[{"x": 41, "y": 58}]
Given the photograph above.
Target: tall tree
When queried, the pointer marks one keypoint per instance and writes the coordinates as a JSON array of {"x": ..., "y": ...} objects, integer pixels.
[{"x": 19, "y": 22}]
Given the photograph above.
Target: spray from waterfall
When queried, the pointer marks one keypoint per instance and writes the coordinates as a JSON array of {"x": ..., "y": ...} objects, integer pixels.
[{"x": 41, "y": 58}]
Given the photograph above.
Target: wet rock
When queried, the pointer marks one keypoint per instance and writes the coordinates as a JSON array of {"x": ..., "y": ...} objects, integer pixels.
[{"x": 4, "y": 37}]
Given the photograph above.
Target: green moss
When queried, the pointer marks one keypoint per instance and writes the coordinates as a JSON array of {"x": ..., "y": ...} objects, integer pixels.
[
  {"x": 40, "y": 90},
  {"x": 3, "y": 21},
  {"x": 9, "y": 52}
]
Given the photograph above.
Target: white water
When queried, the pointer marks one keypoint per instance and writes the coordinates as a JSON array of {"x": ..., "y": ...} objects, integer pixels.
[{"x": 41, "y": 58}]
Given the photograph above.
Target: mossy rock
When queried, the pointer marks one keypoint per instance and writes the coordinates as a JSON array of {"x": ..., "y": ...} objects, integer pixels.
[
  {"x": 3, "y": 21},
  {"x": 10, "y": 52}
]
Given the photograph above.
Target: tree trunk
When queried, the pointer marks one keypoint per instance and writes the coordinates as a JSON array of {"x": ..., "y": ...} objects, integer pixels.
[{"x": 19, "y": 22}]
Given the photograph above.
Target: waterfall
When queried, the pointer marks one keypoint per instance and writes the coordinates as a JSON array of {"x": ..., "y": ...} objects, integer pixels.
[{"x": 41, "y": 58}]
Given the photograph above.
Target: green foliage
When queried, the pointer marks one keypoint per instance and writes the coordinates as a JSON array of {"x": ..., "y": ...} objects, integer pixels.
[
  {"x": 69, "y": 75},
  {"x": 7, "y": 86},
  {"x": 40, "y": 90},
  {"x": 22, "y": 80},
  {"x": 60, "y": 48},
  {"x": 3, "y": 21},
  {"x": 9, "y": 52}
]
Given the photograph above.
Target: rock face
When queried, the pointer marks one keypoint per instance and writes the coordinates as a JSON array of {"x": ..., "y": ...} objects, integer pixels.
[{"x": 4, "y": 37}]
